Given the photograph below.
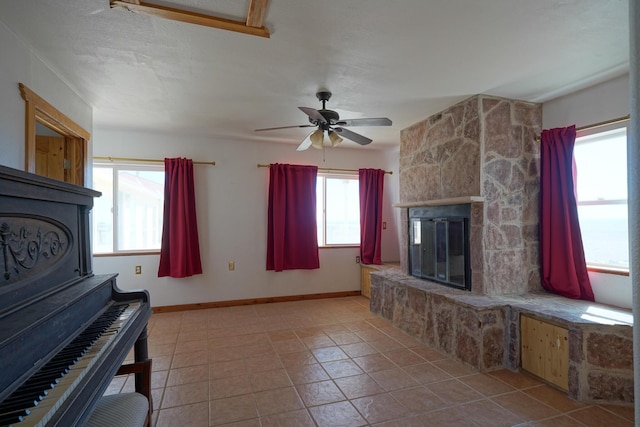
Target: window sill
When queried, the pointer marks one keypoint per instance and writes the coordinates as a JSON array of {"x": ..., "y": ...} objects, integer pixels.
[
  {"x": 129, "y": 253},
  {"x": 338, "y": 246}
]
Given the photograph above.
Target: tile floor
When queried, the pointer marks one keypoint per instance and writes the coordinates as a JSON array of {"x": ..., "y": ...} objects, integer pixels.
[{"x": 331, "y": 362}]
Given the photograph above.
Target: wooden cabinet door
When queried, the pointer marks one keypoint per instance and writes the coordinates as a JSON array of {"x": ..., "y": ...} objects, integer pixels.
[
  {"x": 365, "y": 281},
  {"x": 545, "y": 350}
]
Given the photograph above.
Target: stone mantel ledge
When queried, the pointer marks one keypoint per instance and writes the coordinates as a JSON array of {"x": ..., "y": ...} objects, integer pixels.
[
  {"x": 441, "y": 202},
  {"x": 555, "y": 308}
]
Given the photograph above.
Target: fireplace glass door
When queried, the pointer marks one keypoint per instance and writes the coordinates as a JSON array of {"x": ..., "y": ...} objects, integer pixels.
[{"x": 438, "y": 250}]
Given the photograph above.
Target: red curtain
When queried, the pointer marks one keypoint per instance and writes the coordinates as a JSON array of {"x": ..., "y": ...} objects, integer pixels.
[
  {"x": 292, "y": 236},
  {"x": 564, "y": 270},
  {"x": 180, "y": 251},
  {"x": 371, "y": 189}
]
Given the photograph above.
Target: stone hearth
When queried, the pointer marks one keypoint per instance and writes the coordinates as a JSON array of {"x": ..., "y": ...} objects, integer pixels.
[
  {"x": 468, "y": 327},
  {"x": 484, "y": 331}
]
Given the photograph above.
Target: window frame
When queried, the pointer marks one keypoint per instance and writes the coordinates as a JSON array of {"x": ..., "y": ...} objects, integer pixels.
[
  {"x": 116, "y": 167},
  {"x": 322, "y": 176},
  {"x": 623, "y": 124}
]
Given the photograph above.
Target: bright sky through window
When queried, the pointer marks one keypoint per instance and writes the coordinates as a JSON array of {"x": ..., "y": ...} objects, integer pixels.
[
  {"x": 602, "y": 170},
  {"x": 338, "y": 210},
  {"x": 601, "y": 177},
  {"x": 128, "y": 216}
]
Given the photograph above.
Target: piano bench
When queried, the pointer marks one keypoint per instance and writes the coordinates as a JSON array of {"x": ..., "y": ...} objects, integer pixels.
[
  {"x": 126, "y": 409},
  {"x": 120, "y": 410}
]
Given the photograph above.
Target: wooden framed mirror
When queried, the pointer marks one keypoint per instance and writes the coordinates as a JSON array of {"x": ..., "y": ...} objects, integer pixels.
[{"x": 55, "y": 146}]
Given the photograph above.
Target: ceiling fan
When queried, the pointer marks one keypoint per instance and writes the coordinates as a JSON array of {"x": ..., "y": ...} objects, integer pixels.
[{"x": 329, "y": 121}]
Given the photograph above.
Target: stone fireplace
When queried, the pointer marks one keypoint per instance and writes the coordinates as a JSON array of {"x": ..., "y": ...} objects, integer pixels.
[{"x": 481, "y": 152}]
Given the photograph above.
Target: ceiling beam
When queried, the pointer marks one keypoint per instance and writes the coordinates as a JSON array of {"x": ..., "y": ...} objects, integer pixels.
[
  {"x": 142, "y": 8},
  {"x": 255, "y": 15}
]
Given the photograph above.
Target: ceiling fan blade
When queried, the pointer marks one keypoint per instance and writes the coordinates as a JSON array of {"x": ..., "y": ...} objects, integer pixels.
[
  {"x": 355, "y": 137},
  {"x": 306, "y": 143},
  {"x": 314, "y": 114},
  {"x": 378, "y": 121},
  {"x": 285, "y": 127}
]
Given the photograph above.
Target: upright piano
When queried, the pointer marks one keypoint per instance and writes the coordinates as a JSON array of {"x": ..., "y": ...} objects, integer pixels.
[{"x": 64, "y": 331}]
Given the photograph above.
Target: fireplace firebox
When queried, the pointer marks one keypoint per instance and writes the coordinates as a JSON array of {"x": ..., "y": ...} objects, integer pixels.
[{"x": 439, "y": 244}]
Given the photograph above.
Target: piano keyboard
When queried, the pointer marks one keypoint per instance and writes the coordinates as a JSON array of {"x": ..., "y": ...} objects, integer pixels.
[{"x": 36, "y": 401}]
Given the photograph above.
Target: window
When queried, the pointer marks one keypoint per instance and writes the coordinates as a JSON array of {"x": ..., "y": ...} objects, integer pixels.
[
  {"x": 601, "y": 178},
  {"x": 128, "y": 216},
  {"x": 338, "y": 210}
]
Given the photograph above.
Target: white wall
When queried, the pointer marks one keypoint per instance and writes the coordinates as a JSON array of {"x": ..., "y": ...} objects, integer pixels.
[
  {"x": 20, "y": 65},
  {"x": 232, "y": 214},
  {"x": 606, "y": 101}
]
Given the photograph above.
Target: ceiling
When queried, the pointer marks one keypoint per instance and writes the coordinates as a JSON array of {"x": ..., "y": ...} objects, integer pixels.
[{"x": 403, "y": 59}]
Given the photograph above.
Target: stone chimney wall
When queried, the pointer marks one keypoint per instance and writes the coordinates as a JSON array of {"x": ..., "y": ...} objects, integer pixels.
[{"x": 482, "y": 147}]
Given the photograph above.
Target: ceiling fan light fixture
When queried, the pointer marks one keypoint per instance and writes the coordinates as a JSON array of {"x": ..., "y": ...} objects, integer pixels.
[
  {"x": 329, "y": 120},
  {"x": 334, "y": 138},
  {"x": 317, "y": 139}
]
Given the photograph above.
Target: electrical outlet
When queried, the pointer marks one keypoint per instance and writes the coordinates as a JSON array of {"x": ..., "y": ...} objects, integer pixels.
[
  {"x": 232, "y": 265},
  {"x": 357, "y": 260},
  {"x": 138, "y": 269}
]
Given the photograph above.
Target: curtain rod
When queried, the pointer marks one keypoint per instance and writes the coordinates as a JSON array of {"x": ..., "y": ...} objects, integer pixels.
[
  {"x": 330, "y": 169},
  {"x": 131, "y": 159},
  {"x": 599, "y": 124}
]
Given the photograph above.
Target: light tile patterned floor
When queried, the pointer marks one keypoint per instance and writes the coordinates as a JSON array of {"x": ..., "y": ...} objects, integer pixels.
[{"x": 331, "y": 362}]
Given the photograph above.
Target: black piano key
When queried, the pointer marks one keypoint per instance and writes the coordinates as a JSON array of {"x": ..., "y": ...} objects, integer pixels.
[
  {"x": 58, "y": 359},
  {"x": 13, "y": 417},
  {"x": 58, "y": 364},
  {"x": 61, "y": 364},
  {"x": 80, "y": 347},
  {"x": 26, "y": 395},
  {"x": 30, "y": 390},
  {"x": 45, "y": 377},
  {"x": 35, "y": 393},
  {"x": 73, "y": 347},
  {"x": 9, "y": 407},
  {"x": 42, "y": 388},
  {"x": 96, "y": 327},
  {"x": 90, "y": 332},
  {"x": 51, "y": 373},
  {"x": 68, "y": 356}
]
